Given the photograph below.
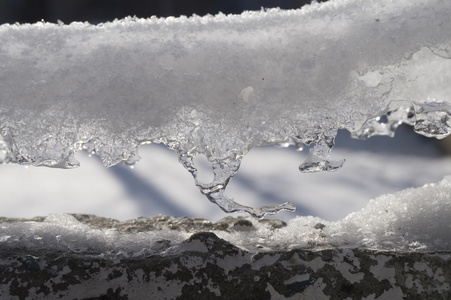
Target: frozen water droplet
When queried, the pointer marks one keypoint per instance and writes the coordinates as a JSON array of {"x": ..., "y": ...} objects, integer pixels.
[
  {"x": 285, "y": 145},
  {"x": 318, "y": 158},
  {"x": 314, "y": 165},
  {"x": 133, "y": 159},
  {"x": 298, "y": 144}
]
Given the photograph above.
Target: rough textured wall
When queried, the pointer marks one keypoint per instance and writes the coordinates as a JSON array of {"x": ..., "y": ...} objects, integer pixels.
[{"x": 205, "y": 267}]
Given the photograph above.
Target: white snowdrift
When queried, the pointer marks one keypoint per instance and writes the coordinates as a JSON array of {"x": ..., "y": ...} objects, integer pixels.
[
  {"x": 413, "y": 219},
  {"x": 221, "y": 85}
]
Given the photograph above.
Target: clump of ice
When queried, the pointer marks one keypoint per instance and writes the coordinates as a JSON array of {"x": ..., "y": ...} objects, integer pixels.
[
  {"x": 411, "y": 220},
  {"x": 220, "y": 85}
]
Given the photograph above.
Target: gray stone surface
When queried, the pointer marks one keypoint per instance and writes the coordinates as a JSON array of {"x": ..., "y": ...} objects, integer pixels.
[{"x": 207, "y": 267}]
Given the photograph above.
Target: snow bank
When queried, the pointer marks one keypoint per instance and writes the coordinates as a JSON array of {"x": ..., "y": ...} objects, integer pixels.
[
  {"x": 413, "y": 219},
  {"x": 221, "y": 85}
]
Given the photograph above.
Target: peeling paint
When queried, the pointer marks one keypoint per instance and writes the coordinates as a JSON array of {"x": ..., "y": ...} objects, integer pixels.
[
  {"x": 348, "y": 265},
  {"x": 381, "y": 271}
]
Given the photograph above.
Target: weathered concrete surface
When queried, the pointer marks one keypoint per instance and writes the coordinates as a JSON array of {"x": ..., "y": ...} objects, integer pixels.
[{"x": 206, "y": 267}]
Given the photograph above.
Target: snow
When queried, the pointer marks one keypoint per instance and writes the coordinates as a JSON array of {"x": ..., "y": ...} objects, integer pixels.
[
  {"x": 64, "y": 233},
  {"x": 215, "y": 88},
  {"x": 413, "y": 219},
  {"x": 221, "y": 85}
]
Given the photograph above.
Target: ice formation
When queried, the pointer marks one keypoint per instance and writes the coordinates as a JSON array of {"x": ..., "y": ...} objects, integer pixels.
[{"x": 220, "y": 85}]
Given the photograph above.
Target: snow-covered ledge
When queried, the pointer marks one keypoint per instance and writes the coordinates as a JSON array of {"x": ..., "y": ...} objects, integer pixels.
[
  {"x": 204, "y": 266},
  {"x": 219, "y": 86}
]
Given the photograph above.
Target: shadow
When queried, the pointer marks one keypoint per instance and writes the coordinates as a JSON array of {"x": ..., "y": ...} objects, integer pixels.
[
  {"x": 405, "y": 142},
  {"x": 149, "y": 199}
]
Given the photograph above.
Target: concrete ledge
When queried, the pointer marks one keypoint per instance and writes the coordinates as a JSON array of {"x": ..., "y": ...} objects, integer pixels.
[{"x": 206, "y": 267}]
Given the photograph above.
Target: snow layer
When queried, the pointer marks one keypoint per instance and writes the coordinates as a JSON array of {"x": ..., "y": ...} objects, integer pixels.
[
  {"x": 413, "y": 219},
  {"x": 221, "y": 85}
]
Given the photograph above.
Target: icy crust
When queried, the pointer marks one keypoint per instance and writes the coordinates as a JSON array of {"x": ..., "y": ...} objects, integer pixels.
[
  {"x": 220, "y": 85},
  {"x": 410, "y": 220},
  {"x": 66, "y": 234}
]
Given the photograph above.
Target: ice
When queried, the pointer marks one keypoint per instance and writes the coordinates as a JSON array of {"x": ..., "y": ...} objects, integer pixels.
[
  {"x": 221, "y": 85},
  {"x": 62, "y": 232}
]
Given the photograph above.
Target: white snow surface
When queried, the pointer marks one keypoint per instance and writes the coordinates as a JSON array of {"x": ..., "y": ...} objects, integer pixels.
[
  {"x": 411, "y": 220},
  {"x": 221, "y": 85}
]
